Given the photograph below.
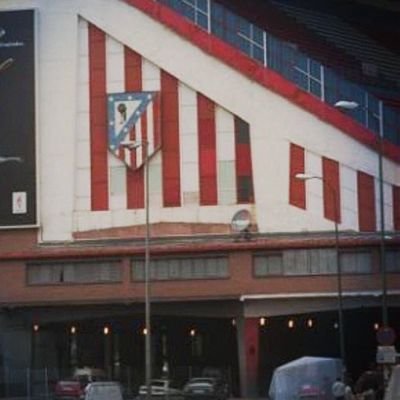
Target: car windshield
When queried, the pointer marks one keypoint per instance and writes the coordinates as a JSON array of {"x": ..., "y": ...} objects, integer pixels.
[
  {"x": 208, "y": 381},
  {"x": 159, "y": 383}
]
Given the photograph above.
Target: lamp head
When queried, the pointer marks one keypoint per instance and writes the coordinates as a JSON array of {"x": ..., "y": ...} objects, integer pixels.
[
  {"x": 305, "y": 177},
  {"x": 6, "y": 64},
  {"x": 346, "y": 104},
  {"x": 11, "y": 159}
]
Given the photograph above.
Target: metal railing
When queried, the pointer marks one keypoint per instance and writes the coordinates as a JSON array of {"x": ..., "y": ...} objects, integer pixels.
[{"x": 287, "y": 60}]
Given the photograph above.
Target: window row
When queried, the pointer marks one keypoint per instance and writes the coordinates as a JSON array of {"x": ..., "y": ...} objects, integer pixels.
[
  {"x": 283, "y": 263},
  {"x": 74, "y": 272},
  {"x": 311, "y": 262},
  {"x": 182, "y": 268}
]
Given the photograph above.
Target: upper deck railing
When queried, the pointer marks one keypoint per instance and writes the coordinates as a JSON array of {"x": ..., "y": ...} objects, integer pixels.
[{"x": 287, "y": 60}]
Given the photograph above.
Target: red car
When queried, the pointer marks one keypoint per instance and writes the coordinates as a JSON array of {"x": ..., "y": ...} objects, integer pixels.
[{"x": 74, "y": 387}]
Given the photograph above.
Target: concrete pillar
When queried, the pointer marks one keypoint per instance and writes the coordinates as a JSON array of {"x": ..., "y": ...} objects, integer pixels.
[{"x": 248, "y": 348}]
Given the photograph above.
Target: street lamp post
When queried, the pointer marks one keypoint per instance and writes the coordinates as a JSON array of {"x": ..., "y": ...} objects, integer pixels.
[
  {"x": 351, "y": 105},
  {"x": 132, "y": 145},
  {"x": 334, "y": 194},
  {"x": 382, "y": 220},
  {"x": 147, "y": 275}
]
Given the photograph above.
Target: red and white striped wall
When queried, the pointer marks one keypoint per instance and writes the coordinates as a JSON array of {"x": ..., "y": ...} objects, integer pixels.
[
  {"x": 357, "y": 192},
  {"x": 205, "y": 157},
  {"x": 226, "y": 141}
]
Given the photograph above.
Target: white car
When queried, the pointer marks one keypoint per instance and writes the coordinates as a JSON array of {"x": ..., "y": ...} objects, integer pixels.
[
  {"x": 106, "y": 390},
  {"x": 159, "y": 387}
]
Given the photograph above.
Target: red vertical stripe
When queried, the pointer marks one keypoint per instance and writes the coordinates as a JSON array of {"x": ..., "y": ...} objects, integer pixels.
[
  {"x": 366, "y": 202},
  {"x": 133, "y": 83},
  {"x": 297, "y": 187},
  {"x": 244, "y": 174},
  {"x": 98, "y": 119},
  {"x": 207, "y": 150},
  {"x": 170, "y": 138},
  {"x": 156, "y": 121},
  {"x": 331, "y": 188},
  {"x": 396, "y": 208},
  {"x": 133, "y": 70},
  {"x": 251, "y": 339}
]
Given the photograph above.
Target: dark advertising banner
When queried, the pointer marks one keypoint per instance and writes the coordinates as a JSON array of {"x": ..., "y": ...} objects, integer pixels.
[{"x": 17, "y": 119}]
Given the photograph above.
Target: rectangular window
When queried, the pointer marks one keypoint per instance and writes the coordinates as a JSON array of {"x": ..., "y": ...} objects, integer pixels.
[
  {"x": 195, "y": 10},
  {"x": 74, "y": 272},
  {"x": 358, "y": 262},
  {"x": 296, "y": 262},
  {"x": 322, "y": 261},
  {"x": 252, "y": 40},
  {"x": 308, "y": 75},
  {"x": 392, "y": 258},
  {"x": 268, "y": 264},
  {"x": 182, "y": 268}
]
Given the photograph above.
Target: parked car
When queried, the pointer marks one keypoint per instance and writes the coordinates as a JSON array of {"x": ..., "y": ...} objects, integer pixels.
[
  {"x": 74, "y": 387},
  {"x": 305, "y": 377},
  {"x": 206, "y": 388},
  {"x": 219, "y": 374},
  {"x": 393, "y": 387},
  {"x": 160, "y": 387},
  {"x": 106, "y": 390}
]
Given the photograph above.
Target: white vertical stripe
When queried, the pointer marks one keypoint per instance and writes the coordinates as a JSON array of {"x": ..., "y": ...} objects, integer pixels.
[
  {"x": 151, "y": 80},
  {"x": 115, "y": 84},
  {"x": 387, "y": 205},
  {"x": 225, "y": 143},
  {"x": 377, "y": 203},
  {"x": 189, "y": 145},
  {"x": 82, "y": 178},
  {"x": 388, "y": 196},
  {"x": 348, "y": 195},
  {"x": 150, "y": 128},
  {"x": 114, "y": 66}
]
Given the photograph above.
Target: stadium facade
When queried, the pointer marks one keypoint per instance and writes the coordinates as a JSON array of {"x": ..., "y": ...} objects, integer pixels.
[{"x": 244, "y": 254}]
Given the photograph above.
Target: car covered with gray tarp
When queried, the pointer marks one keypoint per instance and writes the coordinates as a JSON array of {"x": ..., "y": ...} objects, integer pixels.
[{"x": 305, "y": 378}]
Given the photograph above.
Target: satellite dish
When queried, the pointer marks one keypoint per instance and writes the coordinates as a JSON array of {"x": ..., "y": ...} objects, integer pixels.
[{"x": 241, "y": 221}]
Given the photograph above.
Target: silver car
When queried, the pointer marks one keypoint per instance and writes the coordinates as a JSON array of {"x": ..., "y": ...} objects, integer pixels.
[{"x": 106, "y": 390}]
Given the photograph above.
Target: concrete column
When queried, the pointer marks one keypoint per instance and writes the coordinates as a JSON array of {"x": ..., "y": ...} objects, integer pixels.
[{"x": 248, "y": 348}]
